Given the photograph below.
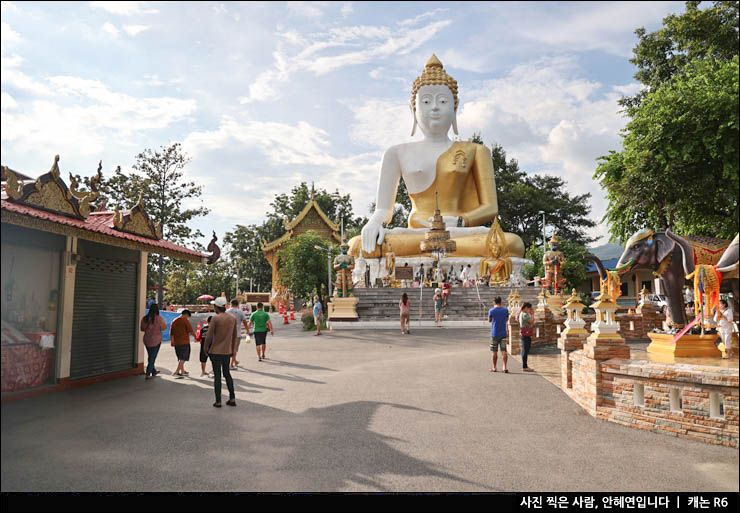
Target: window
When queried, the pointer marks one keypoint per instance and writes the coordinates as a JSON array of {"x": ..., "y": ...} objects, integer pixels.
[
  {"x": 676, "y": 400},
  {"x": 638, "y": 395},
  {"x": 716, "y": 406}
]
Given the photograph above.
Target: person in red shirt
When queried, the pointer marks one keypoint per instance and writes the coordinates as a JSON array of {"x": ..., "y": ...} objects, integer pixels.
[{"x": 180, "y": 331}]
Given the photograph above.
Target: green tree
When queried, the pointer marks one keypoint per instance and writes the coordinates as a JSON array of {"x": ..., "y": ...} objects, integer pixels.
[
  {"x": 303, "y": 268},
  {"x": 678, "y": 167},
  {"x": 159, "y": 180},
  {"x": 521, "y": 198},
  {"x": 245, "y": 251},
  {"x": 704, "y": 34},
  {"x": 574, "y": 270}
]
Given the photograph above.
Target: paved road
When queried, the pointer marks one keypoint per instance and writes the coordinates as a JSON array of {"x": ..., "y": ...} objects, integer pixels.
[{"x": 352, "y": 411}]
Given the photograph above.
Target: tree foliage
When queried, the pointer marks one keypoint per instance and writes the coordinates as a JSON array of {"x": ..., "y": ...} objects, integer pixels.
[
  {"x": 303, "y": 268},
  {"x": 678, "y": 167},
  {"x": 521, "y": 198},
  {"x": 167, "y": 198},
  {"x": 574, "y": 270}
]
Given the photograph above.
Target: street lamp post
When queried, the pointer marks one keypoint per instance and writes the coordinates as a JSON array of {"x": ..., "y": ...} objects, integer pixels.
[
  {"x": 544, "y": 235},
  {"x": 328, "y": 265}
]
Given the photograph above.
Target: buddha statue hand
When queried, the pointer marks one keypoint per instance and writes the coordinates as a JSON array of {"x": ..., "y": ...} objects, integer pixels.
[{"x": 373, "y": 234}]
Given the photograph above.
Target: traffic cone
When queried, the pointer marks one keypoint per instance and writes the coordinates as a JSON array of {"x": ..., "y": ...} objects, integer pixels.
[
  {"x": 281, "y": 309},
  {"x": 197, "y": 332},
  {"x": 285, "y": 318},
  {"x": 292, "y": 315}
]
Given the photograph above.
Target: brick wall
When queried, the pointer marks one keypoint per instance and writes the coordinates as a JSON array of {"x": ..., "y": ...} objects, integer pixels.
[{"x": 607, "y": 390}]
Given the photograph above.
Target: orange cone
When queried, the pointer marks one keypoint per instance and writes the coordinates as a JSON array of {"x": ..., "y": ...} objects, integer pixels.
[
  {"x": 197, "y": 332},
  {"x": 292, "y": 315},
  {"x": 285, "y": 318}
]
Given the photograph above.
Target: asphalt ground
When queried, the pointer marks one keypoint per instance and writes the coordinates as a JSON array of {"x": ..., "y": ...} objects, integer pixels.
[{"x": 346, "y": 411}]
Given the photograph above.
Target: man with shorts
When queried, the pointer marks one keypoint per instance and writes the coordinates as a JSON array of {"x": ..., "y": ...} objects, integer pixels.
[
  {"x": 241, "y": 320},
  {"x": 498, "y": 316},
  {"x": 261, "y": 322},
  {"x": 180, "y": 331}
]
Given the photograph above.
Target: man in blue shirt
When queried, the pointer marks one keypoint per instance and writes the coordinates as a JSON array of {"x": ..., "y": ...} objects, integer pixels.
[{"x": 498, "y": 316}]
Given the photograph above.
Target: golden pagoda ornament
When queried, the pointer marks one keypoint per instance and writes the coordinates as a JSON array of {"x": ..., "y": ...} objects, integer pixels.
[{"x": 437, "y": 239}]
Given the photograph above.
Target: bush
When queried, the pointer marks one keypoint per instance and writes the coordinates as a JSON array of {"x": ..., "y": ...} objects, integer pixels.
[{"x": 308, "y": 324}]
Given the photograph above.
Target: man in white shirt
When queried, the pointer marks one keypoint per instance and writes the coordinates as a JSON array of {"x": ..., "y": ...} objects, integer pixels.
[{"x": 724, "y": 318}]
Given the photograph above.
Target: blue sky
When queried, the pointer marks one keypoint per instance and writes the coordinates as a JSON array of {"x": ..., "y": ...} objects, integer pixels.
[{"x": 265, "y": 95}]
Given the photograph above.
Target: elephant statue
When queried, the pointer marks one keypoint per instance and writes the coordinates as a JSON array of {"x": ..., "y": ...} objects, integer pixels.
[
  {"x": 609, "y": 282},
  {"x": 656, "y": 251},
  {"x": 727, "y": 264}
]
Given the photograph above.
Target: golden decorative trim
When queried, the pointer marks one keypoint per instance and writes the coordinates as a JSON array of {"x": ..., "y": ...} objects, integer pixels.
[
  {"x": 663, "y": 265},
  {"x": 49, "y": 192},
  {"x": 311, "y": 204},
  {"x": 137, "y": 221},
  {"x": 73, "y": 231}
]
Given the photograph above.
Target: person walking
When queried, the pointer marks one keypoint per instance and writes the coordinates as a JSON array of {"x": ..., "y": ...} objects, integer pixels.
[
  {"x": 221, "y": 342},
  {"x": 318, "y": 311},
  {"x": 526, "y": 329},
  {"x": 241, "y": 320},
  {"x": 203, "y": 354},
  {"x": 152, "y": 325},
  {"x": 261, "y": 322},
  {"x": 438, "y": 306},
  {"x": 180, "y": 331},
  {"x": 464, "y": 277},
  {"x": 724, "y": 317},
  {"x": 498, "y": 316},
  {"x": 405, "y": 306}
]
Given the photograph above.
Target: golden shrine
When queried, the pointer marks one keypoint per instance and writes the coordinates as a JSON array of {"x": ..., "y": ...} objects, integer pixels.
[{"x": 310, "y": 218}]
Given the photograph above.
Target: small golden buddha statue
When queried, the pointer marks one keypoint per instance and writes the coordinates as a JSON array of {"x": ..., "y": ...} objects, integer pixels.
[
  {"x": 462, "y": 172},
  {"x": 496, "y": 267}
]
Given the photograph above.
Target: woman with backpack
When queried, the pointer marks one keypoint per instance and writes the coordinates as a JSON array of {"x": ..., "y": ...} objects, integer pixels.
[
  {"x": 152, "y": 324},
  {"x": 526, "y": 330}
]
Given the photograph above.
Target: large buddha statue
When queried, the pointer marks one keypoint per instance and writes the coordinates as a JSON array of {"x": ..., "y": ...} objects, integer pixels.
[{"x": 460, "y": 172}]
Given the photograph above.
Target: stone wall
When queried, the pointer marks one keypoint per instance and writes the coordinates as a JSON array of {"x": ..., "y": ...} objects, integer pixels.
[{"x": 689, "y": 401}]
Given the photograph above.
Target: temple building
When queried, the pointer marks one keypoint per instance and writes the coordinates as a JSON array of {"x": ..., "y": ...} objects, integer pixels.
[
  {"x": 73, "y": 284},
  {"x": 310, "y": 218}
]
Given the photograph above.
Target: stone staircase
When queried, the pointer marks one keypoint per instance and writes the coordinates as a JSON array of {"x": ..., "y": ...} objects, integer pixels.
[{"x": 381, "y": 304}]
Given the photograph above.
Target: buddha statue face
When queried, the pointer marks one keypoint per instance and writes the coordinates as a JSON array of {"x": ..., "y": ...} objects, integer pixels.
[{"x": 435, "y": 109}]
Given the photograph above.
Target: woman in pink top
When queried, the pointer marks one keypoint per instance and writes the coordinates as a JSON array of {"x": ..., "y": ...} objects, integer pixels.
[
  {"x": 405, "y": 306},
  {"x": 152, "y": 325}
]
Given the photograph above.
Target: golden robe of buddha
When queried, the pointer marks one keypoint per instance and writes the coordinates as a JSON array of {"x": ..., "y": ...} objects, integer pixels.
[{"x": 460, "y": 172}]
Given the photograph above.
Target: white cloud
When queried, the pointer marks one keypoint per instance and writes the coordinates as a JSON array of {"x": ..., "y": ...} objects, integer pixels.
[
  {"x": 379, "y": 124},
  {"x": 308, "y": 156},
  {"x": 8, "y": 7},
  {"x": 133, "y": 30},
  {"x": 88, "y": 116},
  {"x": 307, "y": 9},
  {"x": 416, "y": 19},
  {"x": 452, "y": 58},
  {"x": 375, "y": 43},
  {"x": 593, "y": 26},
  {"x": 8, "y": 35},
  {"x": 124, "y": 8},
  {"x": 110, "y": 29},
  {"x": 7, "y": 102},
  {"x": 347, "y": 9}
]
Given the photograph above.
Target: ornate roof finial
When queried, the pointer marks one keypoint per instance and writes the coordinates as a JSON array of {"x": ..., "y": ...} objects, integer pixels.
[{"x": 312, "y": 192}]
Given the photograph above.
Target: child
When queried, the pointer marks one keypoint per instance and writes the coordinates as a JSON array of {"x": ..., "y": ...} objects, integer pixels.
[{"x": 438, "y": 305}]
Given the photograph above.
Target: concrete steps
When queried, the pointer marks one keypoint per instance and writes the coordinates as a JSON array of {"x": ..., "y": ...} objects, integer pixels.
[{"x": 463, "y": 305}]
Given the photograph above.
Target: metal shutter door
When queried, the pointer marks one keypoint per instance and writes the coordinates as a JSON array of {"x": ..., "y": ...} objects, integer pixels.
[{"x": 104, "y": 325}]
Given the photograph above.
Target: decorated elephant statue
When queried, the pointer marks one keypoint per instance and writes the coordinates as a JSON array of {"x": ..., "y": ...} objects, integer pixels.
[
  {"x": 727, "y": 265},
  {"x": 660, "y": 253}
]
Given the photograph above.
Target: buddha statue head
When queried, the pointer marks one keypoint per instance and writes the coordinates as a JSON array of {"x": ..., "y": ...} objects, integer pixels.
[{"x": 434, "y": 100}]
